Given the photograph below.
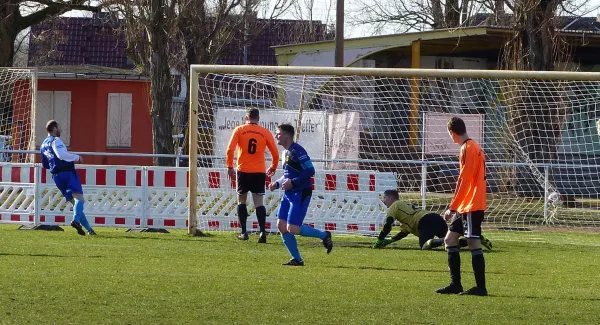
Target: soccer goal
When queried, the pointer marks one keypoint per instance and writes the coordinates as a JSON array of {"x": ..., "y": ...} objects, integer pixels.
[
  {"x": 369, "y": 129},
  {"x": 17, "y": 113}
]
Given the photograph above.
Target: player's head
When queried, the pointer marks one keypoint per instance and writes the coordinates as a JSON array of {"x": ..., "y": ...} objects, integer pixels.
[
  {"x": 252, "y": 115},
  {"x": 53, "y": 128},
  {"x": 389, "y": 197},
  {"x": 456, "y": 128},
  {"x": 285, "y": 135}
]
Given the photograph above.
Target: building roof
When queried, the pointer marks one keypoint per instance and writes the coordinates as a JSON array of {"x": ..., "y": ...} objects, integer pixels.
[
  {"x": 77, "y": 41},
  {"x": 435, "y": 42},
  {"x": 88, "y": 72},
  {"x": 69, "y": 41}
]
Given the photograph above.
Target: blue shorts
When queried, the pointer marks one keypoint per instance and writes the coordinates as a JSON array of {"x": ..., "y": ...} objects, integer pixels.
[
  {"x": 68, "y": 183},
  {"x": 294, "y": 206}
]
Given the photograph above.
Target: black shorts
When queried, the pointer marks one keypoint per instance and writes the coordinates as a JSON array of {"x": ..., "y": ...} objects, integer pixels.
[
  {"x": 430, "y": 226},
  {"x": 251, "y": 182},
  {"x": 468, "y": 224}
]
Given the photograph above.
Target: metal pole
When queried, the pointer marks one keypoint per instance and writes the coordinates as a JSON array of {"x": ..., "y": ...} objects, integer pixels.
[
  {"x": 546, "y": 182},
  {"x": 193, "y": 153},
  {"x": 339, "y": 34}
]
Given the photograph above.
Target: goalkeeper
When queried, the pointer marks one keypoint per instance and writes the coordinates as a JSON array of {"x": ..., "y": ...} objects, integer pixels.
[{"x": 424, "y": 224}]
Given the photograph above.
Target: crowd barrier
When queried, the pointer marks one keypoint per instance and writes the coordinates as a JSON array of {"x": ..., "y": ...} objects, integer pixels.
[{"x": 157, "y": 197}]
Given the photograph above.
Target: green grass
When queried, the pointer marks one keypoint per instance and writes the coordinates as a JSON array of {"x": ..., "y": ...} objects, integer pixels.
[{"x": 125, "y": 278}]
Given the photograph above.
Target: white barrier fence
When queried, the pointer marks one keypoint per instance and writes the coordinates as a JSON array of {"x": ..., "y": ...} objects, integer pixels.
[{"x": 157, "y": 197}]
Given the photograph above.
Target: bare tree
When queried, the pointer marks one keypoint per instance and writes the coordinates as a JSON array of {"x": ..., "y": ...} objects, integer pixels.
[
  {"x": 419, "y": 15},
  {"x": 13, "y": 22},
  {"x": 149, "y": 29}
]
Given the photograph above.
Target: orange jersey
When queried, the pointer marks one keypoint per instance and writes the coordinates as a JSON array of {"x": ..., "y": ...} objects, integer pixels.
[
  {"x": 251, "y": 140},
  {"x": 470, "y": 192}
]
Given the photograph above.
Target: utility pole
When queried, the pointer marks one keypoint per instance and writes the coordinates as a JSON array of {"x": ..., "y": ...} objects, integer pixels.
[{"x": 339, "y": 34}]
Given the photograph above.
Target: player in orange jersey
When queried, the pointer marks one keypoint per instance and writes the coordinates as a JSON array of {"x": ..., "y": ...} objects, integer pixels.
[
  {"x": 466, "y": 211},
  {"x": 251, "y": 140}
]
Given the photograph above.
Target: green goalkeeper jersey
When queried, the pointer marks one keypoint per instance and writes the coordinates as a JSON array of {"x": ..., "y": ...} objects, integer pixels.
[{"x": 408, "y": 215}]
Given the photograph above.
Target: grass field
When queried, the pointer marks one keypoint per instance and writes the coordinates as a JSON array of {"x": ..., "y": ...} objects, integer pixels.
[{"x": 143, "y": 278}]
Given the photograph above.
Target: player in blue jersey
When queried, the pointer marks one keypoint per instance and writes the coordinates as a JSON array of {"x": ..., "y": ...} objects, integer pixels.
[
  {"x": 297, "y": 172},
  {"x": 62, "y": 167}
]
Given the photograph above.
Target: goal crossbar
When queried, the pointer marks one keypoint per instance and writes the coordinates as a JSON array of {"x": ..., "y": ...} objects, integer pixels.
[{"x": 394, "y": 72}]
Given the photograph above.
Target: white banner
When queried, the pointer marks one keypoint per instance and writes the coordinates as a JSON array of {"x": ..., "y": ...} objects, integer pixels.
[
  {"x": 437, "y": 141},
  {"x": 344, "y": 137},
  {"x": 311, "y": 136}
]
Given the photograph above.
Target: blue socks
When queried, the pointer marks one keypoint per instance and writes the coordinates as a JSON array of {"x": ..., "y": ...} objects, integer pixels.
[
  {"x": 289, "y": 240},
  {"x": 308, "y": 231},
  {"x": 79, "y": 216}
]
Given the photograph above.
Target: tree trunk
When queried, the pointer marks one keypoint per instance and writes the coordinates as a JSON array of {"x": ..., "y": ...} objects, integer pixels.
[
  {"x": 438, "y": 15},
  {"x": 161, "y": 90},
  {"x": 536, "y": 113},
  {"x": 8, "y": 33},
  {"x": 452, "y": 13}
]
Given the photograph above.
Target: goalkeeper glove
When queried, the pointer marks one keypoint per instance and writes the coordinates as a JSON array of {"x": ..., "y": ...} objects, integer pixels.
[{"x": 382, "y": 243}]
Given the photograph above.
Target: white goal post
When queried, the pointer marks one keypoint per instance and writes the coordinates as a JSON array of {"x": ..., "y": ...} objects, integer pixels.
[
  {"x": 18, "y": 123},
  {"x": 539, "y": 131}
]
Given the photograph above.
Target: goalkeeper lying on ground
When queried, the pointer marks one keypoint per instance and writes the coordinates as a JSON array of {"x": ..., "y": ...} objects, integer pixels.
[{"x": 421, "y": 223}]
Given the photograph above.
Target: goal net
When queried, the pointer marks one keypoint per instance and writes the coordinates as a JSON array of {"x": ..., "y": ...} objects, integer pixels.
[
  {"x": 368, "y": 130},
  {"x": 17, "y": 131}
]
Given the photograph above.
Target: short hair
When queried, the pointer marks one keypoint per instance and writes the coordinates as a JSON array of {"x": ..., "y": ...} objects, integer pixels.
[
  {"x": 287, "y": 128},
  {"x": 253, "y": 113},
  {"x": 457, "y": 125},
  {"x": 392, "y": 193},
  {"x": 51, "y": 125}
]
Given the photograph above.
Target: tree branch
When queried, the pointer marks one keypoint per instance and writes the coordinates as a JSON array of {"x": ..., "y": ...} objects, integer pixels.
[{"x": 53, "y": 8}]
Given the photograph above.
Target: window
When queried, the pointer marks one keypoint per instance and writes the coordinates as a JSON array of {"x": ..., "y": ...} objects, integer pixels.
[
  {"x": 118, "y": 132},
  {"x": 53, "y": 105}
]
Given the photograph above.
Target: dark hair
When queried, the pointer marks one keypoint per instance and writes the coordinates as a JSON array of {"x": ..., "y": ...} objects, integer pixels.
[
  {"x": 253, "y": 113},
  {"x": 287, "y": 128},
  {"x": 392, "y": 193},
  {"x": 51, "y": 125},
  {"x": 457, "y": 125}
]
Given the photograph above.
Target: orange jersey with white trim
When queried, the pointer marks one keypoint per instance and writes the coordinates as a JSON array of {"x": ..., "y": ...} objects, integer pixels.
[
  {"x": 470, "y": 192},
  {"x": 251, "y": 140}
]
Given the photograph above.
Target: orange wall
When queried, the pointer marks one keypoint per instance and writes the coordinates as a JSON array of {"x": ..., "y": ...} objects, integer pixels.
[{"x": 89, "y": 105}]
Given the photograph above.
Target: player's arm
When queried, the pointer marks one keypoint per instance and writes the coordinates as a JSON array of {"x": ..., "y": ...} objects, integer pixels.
[
  {"x": 45, "y": 162},
  {"x": 277, "y": 183},
  {"x": 308, "y": 170},
  {"x": 273, "y": 150},
  {"x": 61, "y": 151},
  {"x": 465, "y": 177},
  {"x": 231, "y": 146},
  {"x": 404, "y": 231}
]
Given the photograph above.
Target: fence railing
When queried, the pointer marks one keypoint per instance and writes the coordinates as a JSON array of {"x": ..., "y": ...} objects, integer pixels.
[
  {"x": 570, "y": 197},
  {"x": 157, "y": 197}
]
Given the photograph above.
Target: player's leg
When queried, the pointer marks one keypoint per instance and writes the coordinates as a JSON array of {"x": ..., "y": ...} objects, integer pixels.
[
  {"x": 77, "y": 190},
  {"x": 298, "y": 213},
  {"x": 78, "y": 207},
  {"x": 473, "y": 234},
  {"x": 258, "y": 193},
  {"x": 242, "y": 210},
  {"x": 455, "y": 230},
  {"x": 439, "y": 229},
  {"x": 62, "y": 183},
  {"x": 288, "y": 238},
  {"x": 431, "y": 225}
]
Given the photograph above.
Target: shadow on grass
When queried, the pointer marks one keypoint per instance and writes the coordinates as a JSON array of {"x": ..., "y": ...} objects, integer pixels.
[
  {"x": 156, "y": 237},
  {"x": 49, "y": 255},
  {"x": 378, "y": 268},
  {"x": 546, "y": 298},
  {"x": 399, "y": 246}
]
